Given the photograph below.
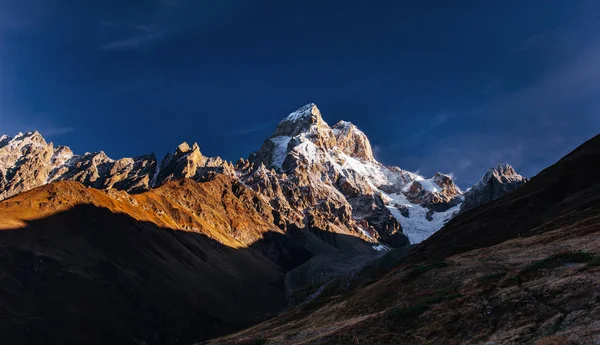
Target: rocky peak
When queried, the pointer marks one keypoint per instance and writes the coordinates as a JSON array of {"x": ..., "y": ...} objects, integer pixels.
[
  {"x": 23, "y": 141},
  {"x": 502, "y": 173},
  {"x": 445, "y": 182},
  {"x": 189, "y": 162},
  {"x": 307, "y": 111},
  {"x": 306, "y": 120},
  {"x": 61, "y": 155},
  {"x": 303, "y": 129},
  {"x": 4, "y": 139},
  {"x": 497, "y": 181},
  {"x": 352, "y": 141},
  {"x": 182, "y": 148},
  {"x": 438, "y": 193}
]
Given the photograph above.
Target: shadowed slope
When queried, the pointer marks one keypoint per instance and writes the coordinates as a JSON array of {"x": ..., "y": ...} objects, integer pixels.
[
  {"x": 185, "y": 262},
  {"x": 88, "y": 275}
]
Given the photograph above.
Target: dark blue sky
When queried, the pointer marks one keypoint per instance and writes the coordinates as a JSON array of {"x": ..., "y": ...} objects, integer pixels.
[{"x": 436, "y": 87}]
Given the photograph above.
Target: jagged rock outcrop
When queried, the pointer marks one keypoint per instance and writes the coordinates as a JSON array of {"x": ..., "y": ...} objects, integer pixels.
[
  {"x": 352, "y": 141},
  {"x": 496, "y": 182},
  {"x": 437, "y": 194},
  {"x": 97, "y": 170},
  {"x": 189, "y": 162},
  {"x": 25, "y": 163}
]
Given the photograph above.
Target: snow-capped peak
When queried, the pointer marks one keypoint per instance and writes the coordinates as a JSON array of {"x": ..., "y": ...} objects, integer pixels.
[{"x": 307, "y": 110}]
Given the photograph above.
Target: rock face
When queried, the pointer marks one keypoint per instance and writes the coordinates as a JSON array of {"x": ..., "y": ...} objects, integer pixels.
[
  {"x": 189, "y": 162},
  {"x": 25, "y": 163},
  {"x": 308, "y": 172},
  {"x": 497, "y": 182}
]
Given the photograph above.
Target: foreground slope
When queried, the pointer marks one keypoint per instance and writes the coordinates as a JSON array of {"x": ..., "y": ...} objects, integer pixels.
[
  {"x": 182, "y": 263},
  {"x": 517, "y": 270}
]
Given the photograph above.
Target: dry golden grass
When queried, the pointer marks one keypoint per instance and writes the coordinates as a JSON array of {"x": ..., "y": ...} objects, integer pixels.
[{"x": 210, "y": 208}]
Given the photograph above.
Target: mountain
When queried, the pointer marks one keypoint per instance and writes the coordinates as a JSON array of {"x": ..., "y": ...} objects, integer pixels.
[
  {"x": 520, "y": 269},
  {"x": 309, "y": 171}
]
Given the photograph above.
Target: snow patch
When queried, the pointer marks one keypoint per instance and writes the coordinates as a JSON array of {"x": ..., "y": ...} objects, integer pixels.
[
  {"x": 280, "y": 150},
  {"x": 416, "y": 226},
  {"x": 365, "y": 232},
  {"x": 429, "y": 185},
  {"x": 304, "y": 111},
  {"x": 155, "y": 176},
  {"x": 381, "y": 248}
]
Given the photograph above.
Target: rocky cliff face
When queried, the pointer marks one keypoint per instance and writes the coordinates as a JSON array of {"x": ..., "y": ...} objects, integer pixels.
[{"x": 310, "y": 173}]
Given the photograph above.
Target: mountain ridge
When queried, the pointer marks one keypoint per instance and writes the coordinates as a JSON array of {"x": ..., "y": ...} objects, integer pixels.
[{"x": 304, "y": 153}]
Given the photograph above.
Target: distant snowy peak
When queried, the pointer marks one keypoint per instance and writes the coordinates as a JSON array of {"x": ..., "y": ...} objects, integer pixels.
[
  {"x": 497, "y": 181},
  {"x": 503, "y": 173}
]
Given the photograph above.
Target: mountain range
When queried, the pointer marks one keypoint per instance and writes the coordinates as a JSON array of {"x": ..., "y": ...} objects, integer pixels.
[
  {"x": 310, "y": 240},
  {"x": 306, "y": 169}
]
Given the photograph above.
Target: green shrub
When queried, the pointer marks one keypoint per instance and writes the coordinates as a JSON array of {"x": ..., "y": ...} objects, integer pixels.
[
  {"x": 442, "y": 297},
  {"x": 595, "y": 262},
  {"x": 419, "y": 308},
  {"x": 410, "y": 311},
  {"x": 492, "y": 277},
  {"x": 558, "y": 260},
  {"x": 418, "y": 270},
  {"x": 259, "y": 341}
]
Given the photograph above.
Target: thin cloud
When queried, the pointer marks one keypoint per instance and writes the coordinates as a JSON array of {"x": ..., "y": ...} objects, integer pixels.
[
  {"x": 127, "y": 26},
  {"x": 13, "y": 124},
  {"x": 134, "y": 42},
  {"x": 172, "y": 2},
  {"x": 55, "y": 132},
  {"x": 439, "y": 119},
  {"x": 529, "y": 128}
]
